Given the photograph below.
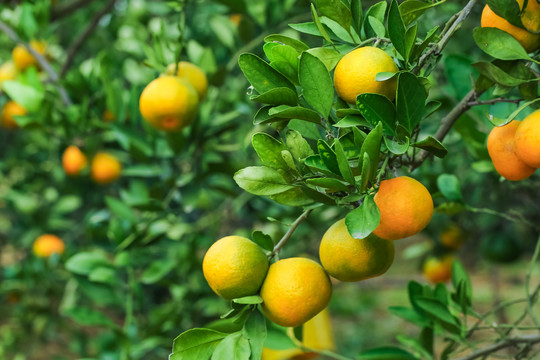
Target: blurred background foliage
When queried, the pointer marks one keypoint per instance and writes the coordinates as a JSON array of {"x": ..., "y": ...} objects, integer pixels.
[{"x": 131, "y": 277}]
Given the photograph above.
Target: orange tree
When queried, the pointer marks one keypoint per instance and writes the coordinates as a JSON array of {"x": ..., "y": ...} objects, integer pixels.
[
  {"x": 347, "y": 108},
  {"x": 119, "y": 171}
]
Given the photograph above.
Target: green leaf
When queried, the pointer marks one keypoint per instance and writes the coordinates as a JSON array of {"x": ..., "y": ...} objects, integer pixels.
[
  {"x": 413, "y": 9},
  {"x": 261, "y": 75},
  {"x": 269, "y": 150},
  {"x": 357, "y": 14},
  {"x": 461, "y": 281},
  {"x": 385, "y": 353},
  {"x": 328, "y": 156},
  {"x": 277, "y": 96},
  {"x": 249, "y": 300},
  {"x": 120, "y": 209},
  {"x": 298, "y": 45},
  {"x": 343, "y": 163},
  {"x": 426, "y": 337},
  {"x": 157, "y": 271},
  {"x": 377, "y": 26},
  {"x": 376, "y": 12},
  {"x": 440, "y": 313},
  {"x": 496, "y": 74},
  {"x": 84, "y": 262},
  {"x": 366, "y": 171},
  {"x": 396, "y": 29},
  {"x": 88, "y": 317},
  {"x": 351, "y": 121},
  {"x": 261, "y": 180},
  {"x": 328, "y": 56},
  {"x": 67, "y": 204},
  {"x": 255, "y": 331},
  {"x": 293, "y": 197},
  {"x": 376, "y": 109},
  {"x": 499, "y": 44},
  {"x": 395, "y": 147},
  {"x": 196, "y": 344},
  {"x": 285, "y": 60},
  {"x": 298, "y": 146},
  {"x": 296, "y": 112},
  {"x": 364, "y": 219},
  {"x": 234, "y": 346},
  {"x": 263, "y": 240},
  {"x": 27, "y": 96},
  {"x": 372, "y": 146},
  {"x": 449, "y": 186},
  {"x": 432, "y": 145},
  {"x": 104, "y": 275},
  {"x": 328, "y": 183},
  {"x": 320, "y": 27},
  {"x": 410, "y": 101},
  {"x": 315, "y": 162},
  {"x": 335, "y": 10},
  {"x": 316, "y": 82},
  {"x": 409, "y": 314},
  {"x": 342, "y": 33},
  {"x": 28, "y": 23}
]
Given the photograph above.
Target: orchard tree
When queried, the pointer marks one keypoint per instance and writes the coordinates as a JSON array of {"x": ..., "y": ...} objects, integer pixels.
[{"x": 165, "y": 162}]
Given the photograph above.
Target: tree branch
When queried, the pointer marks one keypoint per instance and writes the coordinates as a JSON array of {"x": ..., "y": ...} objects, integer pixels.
[
  {"x": 41, "y": 61},
  {"x": 525, "y": 339},
  {"x": 74, "y": 48},
  {"x": 494, "y": 101},
  {"x": 449, "y": 29},
  {"x": 60, "y": 11},
  {"x": 289, "y": 232}
]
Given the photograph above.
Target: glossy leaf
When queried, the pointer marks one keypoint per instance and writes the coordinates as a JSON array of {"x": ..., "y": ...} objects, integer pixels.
[
  {"x": 335, "y": 10},
  {"x": 499, "y": 44},
  {"x": 328, "y": 56},
  {"x": 385, "y": 353},
  {"x": 255, "y": 331},
  {"x": 449, "y": 186},
  {"x": 269, "y": 150},
  {"x": 396, "y": 29},
  {"x": 298, "y": 45},
  {"x": 261, "y": 75},
  {"x": 432, "y": 145},
  {"x": 377, "y": 109},
  {"x": 261, "y": 180},
  {"x": 410, "y": 101},
  {"x": 508, "y": 10},
  {"x": 318, "y": 90},
  {"x": 263, "y": 240},
  {"x": 372, "y": 146},
  {"x": 343, "y": 163},
  {"x": 295, "y": 112},
  {"x": 298, "y": 146},
  {"x": 413, "y": 9},
  {"x": 277, "y": 96},
  {"x": 364, "y": 219},
  {"x": 233, "y": 346}
]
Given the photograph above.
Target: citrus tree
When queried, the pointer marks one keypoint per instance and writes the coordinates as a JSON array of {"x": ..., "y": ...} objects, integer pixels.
[{"x": 307, "y": 138}]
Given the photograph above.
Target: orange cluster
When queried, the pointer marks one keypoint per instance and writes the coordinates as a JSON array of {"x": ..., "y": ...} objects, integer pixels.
[
  {"x": 105, "y": 168},
  {"x": 514, "y": 148}
]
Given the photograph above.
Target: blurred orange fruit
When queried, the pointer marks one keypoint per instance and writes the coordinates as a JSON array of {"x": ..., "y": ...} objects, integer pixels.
[
  {"x": 169, "y": 103},
  {"x": 406, "y": 208},
  {"x": 23, "y": 59},
  {"x": 108, "y": 116},
  {"x": 10, "y": 110},
  {"x": 502, "y": 148},
  {"x": 452, "y": 237},
  {"x": 355, "y": 74},
  {"x": 528, "y": 40},
  {"x": 8, "y": 71},
  {"x": 105, "y": 168},
  {"x": 48, "y": 244},
  {"x": 234, "y": 267},
  {"x": 350, "y": 259},
  {"x": 294, "y": 291},
  {"x": 438, "y": 269},
  {"x": 192, "y": 74},
  {"x": 73, "y": 160},
  {"x": 527, "y": 139}
]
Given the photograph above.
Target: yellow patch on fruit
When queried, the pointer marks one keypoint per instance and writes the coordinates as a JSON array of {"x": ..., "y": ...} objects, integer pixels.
[{"x": 192, "y": 74}]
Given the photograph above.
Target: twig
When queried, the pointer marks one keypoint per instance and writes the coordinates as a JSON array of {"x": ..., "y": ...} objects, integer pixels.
[
  {"x": 494, "y": 101},
  {"x": 502, "y": 215},
  {"x": 289, "y": 232},
  {"x": 449, "y": 29},
  {"x": 41, "y": 60},
  {"x": 525, "y": 339},
  {"x": 60, "y": 11},
  {"x": 74, "y": 48}
]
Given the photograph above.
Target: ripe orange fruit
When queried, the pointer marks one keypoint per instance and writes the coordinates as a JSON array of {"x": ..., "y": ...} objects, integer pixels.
[
  {"x": 10, "y": 110},
  {"x": 169, "y": 103},
  {"x": 235, "y": 267},
  {"x": 350, "y": 259},
  {"x": 48, "y": 244},
  {"x": 355, "y": 74},
  {"x": 73, "y": 160},
  {"x": 8, "y": 71},
  {"x": 316, "y": 334},
  {"x": 438, "y": 270},
  {"x": 528, "y": 40},
  {"x": 406, "y": 208},
  {"x": 294, "y": 291},
  {"x": 502, "y": 148},
  {"x": 22, "y": 57},
  {"x": 105, "y": 168},
  {"x": 452, "y": 237},
  {"x": 527, "y": 140},
  {"x": 192, "y": 74}
]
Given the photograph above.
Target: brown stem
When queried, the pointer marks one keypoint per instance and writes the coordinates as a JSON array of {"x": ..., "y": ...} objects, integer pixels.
[
  {"x": 494, "y": 101},
  {"x": 525, "y": 339},
  {"x": 41, "y": 61},
  {"x": 74, "y": 48},
  {"x": 289, "y": 232}
]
